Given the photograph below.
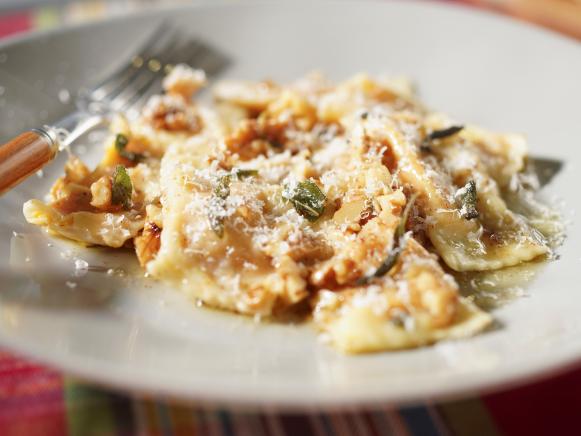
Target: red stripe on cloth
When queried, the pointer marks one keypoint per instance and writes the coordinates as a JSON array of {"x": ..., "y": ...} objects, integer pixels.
[
  {"x": 295, "y": 424},
  {"x": 31, "y": 399},
  {"x": 551, "y": 407},
  {"x": 15, "y": 23}
]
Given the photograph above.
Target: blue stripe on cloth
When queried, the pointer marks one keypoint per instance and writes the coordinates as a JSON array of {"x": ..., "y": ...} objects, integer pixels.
[
  {"x": 419, "y": 421},
  {"x": 226, "y": 423}
]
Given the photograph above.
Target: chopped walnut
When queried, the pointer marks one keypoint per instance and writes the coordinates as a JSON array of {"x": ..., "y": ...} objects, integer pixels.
[
  {"x": 148, "y": 243},
  {"x": 172, "y": 113},
  {"x": 309, "y": 248},
  {"x": 154, "y": 214},
  {"x": 76, "y": 171},
  {"x": 255, "y": 137},
  {"x": 101, "y": 193},
  {"x": 184, "y": 81},
  {"x": 71, "y": 197},
  {"x": 71, "y": 192},
  {"x": 278, "y": 291},
  {"x": 429, "y": 290},
  {"x": 245, "y": 141},
  {"x": 358, "y": 256}
]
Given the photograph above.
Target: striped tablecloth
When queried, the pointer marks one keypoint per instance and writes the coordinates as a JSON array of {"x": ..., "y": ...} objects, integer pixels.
[{"x": 36, "y": 400}]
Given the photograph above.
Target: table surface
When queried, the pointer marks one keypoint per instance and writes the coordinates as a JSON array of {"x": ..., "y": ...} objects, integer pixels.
[{"x": 36, "y": 400}]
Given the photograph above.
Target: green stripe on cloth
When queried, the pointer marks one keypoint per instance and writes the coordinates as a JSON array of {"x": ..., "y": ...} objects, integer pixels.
[
  {"x": 468, "y": 418},
  {"x": 94, "y": 412},
  {"x": 163, "y": 419},
  {"x": 46, "y": 18}
]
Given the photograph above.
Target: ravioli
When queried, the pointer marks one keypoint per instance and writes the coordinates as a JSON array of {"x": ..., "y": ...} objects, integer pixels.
[
  {"x": 497, "y": 238},
  {"x": 418, "y": 305},
  {"x": 345, "y": 204}
]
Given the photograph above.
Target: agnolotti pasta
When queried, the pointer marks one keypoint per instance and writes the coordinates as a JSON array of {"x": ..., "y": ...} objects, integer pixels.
[{"x": 348, "y": 203}]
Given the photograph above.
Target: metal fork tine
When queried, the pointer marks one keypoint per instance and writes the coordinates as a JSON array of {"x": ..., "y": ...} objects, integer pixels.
[
  {"x": 152, "y": 68},
  {"x": 149, "y": 65},
  {"x": 130, "y": 85},
  {"x": 145, "y": 64},
  {"x": 124, "y": 74},
  {"x": 133, "y": 108},
  {"x": 178, "y": 55},
  {"x": 201, "y": 56},
  {"x": 143, "y": 50},
  {"x": 208, "y": 59},
  {"x": 215, "y": 64},
  {"x": 195, "y": 47},
  {"x": 137, "y": 79}
]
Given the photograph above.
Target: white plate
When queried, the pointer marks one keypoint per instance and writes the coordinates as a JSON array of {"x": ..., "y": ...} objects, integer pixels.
[{"x": 479, "y": 68}]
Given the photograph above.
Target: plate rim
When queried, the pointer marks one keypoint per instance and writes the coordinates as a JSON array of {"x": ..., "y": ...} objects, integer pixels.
[
  {"x": 206, "y": 394},
  {"x": 511, "y": 376}
]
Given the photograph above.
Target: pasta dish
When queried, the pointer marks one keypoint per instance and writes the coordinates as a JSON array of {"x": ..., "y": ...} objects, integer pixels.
[{"x": 351, "y": 203}]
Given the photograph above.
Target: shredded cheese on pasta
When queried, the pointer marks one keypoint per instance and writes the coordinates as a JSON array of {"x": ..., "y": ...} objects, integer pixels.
[{"x": 290, "y": 199}]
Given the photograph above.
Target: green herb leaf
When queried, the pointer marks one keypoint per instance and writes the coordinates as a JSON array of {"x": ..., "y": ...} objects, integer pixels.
[
  {"x": 121, "y": 188},
  {"x": 121, "y": 142},
  {"x": 217, "y": 206},
  {"x": 399, "y": 232},
  {"x": 307, "y": 198},
  {"x": 388, "y": 263},
  {"x": 467, "y": 200},
  {"x": 222, "y": 188},
  {"x": 244, "y": 173},
  {"x": 399, "y": 245},
  {"x": 444, "y": 133},
  {"x": 426, "y": 145}
]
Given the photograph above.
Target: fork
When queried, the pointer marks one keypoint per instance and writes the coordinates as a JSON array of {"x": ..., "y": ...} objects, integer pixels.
[{"x": 126, "y": 89}]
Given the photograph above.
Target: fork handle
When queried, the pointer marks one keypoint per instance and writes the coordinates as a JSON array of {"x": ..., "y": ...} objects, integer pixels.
[{"x": 24, "y": 155}]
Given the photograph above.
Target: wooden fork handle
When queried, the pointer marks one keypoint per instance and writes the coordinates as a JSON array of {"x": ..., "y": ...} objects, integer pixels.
[{"x": 25, "y": 155}]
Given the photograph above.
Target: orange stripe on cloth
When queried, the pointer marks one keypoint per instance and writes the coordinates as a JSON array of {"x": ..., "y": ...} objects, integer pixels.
[{"x": 563, "y": 16}]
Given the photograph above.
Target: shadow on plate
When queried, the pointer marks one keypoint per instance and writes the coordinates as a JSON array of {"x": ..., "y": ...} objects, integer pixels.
[{"x": 52, "y": 273}]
